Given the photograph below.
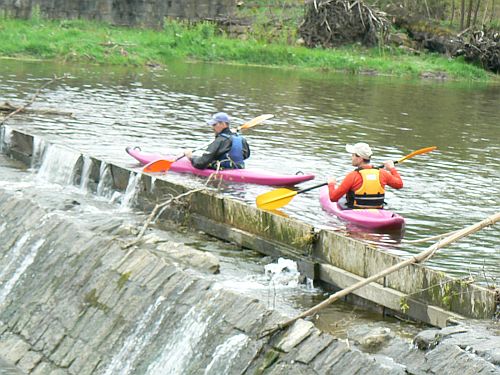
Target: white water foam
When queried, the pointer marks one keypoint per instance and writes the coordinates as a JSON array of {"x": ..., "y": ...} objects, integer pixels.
[
  {"x": 283, "y": 273},
  {"x": 58, "y": 165},
  {"x": 309, "y": 283},
  {"x": 225, "y": 354},
  {"x": 19, "y": 270}
]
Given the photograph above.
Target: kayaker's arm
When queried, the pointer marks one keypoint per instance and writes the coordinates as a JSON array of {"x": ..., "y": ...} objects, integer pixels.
[
  {"x": 219, "y": 146},
  {"x": 336, "y": 193},
  {"x": 201, "y": 162},
  {"x": 246, "y": 149},
  {"x": 391, "y": 176}
]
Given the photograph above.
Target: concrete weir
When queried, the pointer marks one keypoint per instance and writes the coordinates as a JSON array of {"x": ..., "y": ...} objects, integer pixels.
[
  {"x": 72, "y": 301},
  {"x": 430, "y": 296}
]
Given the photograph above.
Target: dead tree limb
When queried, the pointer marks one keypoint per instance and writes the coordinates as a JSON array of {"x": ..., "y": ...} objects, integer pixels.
[
  {"x": 33, "y": 98},
  {"x": 160, "y": 207},
  {"x": 333, "y": 23}
]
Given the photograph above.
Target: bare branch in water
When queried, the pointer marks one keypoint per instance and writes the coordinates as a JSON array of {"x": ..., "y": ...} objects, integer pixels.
[{"x": 32, "y": 100}]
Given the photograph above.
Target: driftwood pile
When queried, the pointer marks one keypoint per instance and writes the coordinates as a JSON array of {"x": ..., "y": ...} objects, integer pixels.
[
  {"x": 331, "y": 23},
  {"x": 483, "y": 48},
  {"x": 480, "y": 47}
]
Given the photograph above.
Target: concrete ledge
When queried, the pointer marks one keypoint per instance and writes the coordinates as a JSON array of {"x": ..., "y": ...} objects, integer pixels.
[
  {"x": 420, "y": 282},
  {"x": 387, "y": 297}
]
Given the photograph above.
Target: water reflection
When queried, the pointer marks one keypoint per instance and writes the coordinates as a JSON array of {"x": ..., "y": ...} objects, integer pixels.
[{"x": 316, "y": 114}]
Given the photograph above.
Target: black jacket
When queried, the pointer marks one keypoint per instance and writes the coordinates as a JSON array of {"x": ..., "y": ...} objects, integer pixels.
[{"x": 220, "y": 146}]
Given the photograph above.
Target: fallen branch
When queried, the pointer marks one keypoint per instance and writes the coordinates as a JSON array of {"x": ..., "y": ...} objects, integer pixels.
[
  {"x": 154, "y": 214},
  {"x": 436, "y": 237},
  {"x": 7, "y": 107},
  {"x": 420, "y": 258},
  {"x": 32, "y": 100}
]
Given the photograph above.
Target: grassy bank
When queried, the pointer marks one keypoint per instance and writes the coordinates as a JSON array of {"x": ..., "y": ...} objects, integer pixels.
[{"x": 78, "y": 40}]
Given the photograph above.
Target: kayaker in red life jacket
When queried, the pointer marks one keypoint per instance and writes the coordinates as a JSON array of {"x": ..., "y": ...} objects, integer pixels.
[
  {"x": 229, "y": 149},
  {"x": 364, "y": 187}
]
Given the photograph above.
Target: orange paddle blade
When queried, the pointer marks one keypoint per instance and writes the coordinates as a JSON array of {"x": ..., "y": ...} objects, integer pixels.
[
  {"x": 256, "y": 121},
  {"x": 275, "y": 199},
  {"x": 158, "y": 166},
  {"x": 418, "y": 152}
]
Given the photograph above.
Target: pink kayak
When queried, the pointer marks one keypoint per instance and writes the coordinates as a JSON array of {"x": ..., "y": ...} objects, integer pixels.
[
  {"x": 251, "y": 176},
  {"x": 369, "y": 218}
]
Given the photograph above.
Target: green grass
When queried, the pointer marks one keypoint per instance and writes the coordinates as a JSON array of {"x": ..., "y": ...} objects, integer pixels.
[{"x": 77, "y": 40}]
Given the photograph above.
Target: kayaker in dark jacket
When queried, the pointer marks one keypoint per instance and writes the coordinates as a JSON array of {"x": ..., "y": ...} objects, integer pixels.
[
  {"x": 228, "y": 150},
  {"x": 364, "y": 187}
]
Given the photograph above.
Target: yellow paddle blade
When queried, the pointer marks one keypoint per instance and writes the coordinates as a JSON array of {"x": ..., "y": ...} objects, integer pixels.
[
  {"x": 158, "y": 166},
  {"x": 275, "y": 199},
  {"x": 255, "y": 121},
  {"x": 418, "y": 152}
]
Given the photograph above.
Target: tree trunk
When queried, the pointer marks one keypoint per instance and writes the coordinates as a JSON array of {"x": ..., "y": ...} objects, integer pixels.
[
  {"x": 485, "y": 13},
  {"x": 476, "y": 11},
  {"x": 462, "y": 14},
  {"x": 469, "y": 13},
  {"x": 452, "y": 12},
  {"x": 427, "y": 8}
]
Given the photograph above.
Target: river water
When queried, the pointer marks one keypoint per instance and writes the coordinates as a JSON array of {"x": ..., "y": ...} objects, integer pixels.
[{"x": 316, "y": 114}]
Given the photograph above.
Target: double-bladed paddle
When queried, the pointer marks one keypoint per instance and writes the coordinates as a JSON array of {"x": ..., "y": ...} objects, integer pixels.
[
  {"x": 163, "y": 165},
  {"x": 275, "y": 199}
]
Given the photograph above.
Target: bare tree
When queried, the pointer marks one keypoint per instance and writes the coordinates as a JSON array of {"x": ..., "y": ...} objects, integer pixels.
[
  {"x": 462, "y": 14},
  {"x": 485, "y": 13},
  {"x": 469, "y": 13},
  {"x": 476, "y": 11},
  {"x": 452, "y": 12}
]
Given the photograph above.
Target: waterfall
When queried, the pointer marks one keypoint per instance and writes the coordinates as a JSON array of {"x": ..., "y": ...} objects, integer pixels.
[
  {"x": 147, "y": 329},
  {"x": 17, "y": 257},
  {"x": 13, "y": 255},
  {"x": 39, "y": 146},
  {"x": 58, "y": 165},
  {"x": 225, "y": 354},
  {"x": 5, "y": 137},
  {"x": 179, "y": 352},
  {"x": 104, "y": 187},
  {"x": 87, "y": 168},
  {"x": 131, "y": 192}
]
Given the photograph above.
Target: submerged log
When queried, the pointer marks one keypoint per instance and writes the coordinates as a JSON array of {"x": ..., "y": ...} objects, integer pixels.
[
  {"x": 331, "y": 23},
  {"x": 31, "y": 101},
  {"x": 8, "y": 108}
]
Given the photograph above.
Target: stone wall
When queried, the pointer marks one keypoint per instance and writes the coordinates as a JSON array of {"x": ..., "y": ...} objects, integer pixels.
[{"x": 149, "y": 13}]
